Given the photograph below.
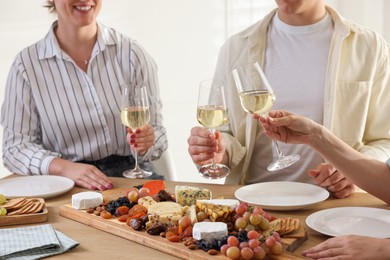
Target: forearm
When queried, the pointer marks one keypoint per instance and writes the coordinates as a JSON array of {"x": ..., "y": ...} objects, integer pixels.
[{"x": 369, "y": 174}]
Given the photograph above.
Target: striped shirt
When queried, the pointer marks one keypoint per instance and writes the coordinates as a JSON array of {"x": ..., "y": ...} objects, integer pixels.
[{"x": 52, "y": 108}]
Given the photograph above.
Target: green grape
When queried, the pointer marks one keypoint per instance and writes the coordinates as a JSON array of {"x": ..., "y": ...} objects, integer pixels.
[
  {"x": 276, "y": 249},
  {"x": 264, "y": 224},
  {"x": 2, "y": 199},
  {"x": 3, "y": 211},
  {"x": 240, "y": 223},
  {"x": 255, "y": 219}
]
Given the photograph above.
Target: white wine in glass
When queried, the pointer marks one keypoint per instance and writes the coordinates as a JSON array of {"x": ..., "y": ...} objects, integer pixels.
[
  {"x": 135, "y": 114},
  {"x": 212, "y": 113},
  {"x": 257, "y": 97}
]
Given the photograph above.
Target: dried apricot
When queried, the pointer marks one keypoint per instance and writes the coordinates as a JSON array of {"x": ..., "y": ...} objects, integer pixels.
[
  {"x": 105, "y": 214},
  {"x": 122, "y": 210},
  {"x": 137, "y": 208},
  {"x": 123, "y": 218}
]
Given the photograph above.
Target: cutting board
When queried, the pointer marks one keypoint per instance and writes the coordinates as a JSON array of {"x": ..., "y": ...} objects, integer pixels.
[
  {"x": 24, "y": 218},
  {"x": 115, "y": 227}
]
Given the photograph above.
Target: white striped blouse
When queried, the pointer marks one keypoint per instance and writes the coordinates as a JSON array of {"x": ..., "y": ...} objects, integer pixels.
[{"x": 52, "y": 108}]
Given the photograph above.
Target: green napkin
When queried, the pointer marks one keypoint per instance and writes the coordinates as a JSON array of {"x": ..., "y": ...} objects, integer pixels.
[{"x": 33, "y": 242}]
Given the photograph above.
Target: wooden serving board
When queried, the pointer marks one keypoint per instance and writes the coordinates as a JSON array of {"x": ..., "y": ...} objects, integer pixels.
[
  {"x": 24, "y": 218},
  {"x": 115, "y": 227}
]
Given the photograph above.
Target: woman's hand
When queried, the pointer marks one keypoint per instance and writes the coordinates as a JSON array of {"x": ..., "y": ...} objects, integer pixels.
[
  {"x": 288, "y": 127},
  {"x": 203, "y": 147},
  {"x": 350, "y": 247},
  {"x": 84, "y": 175},
  {"x": 141, "y": 139}
]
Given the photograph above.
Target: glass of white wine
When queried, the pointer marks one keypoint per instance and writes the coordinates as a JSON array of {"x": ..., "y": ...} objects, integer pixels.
[
  {"x": 135, "y": 114},
  {"x": 257, "y": 97},
  {"x": 212, "y": 113}
]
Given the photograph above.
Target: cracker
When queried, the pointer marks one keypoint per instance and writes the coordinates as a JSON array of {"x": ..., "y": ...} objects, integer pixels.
[{"x": 13, "y": 203}]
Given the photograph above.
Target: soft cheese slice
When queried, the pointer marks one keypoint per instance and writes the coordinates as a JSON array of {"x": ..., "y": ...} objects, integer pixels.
[
  {"x": 209, "y": 230},
  {"x": 187, "y": 195},
  {"x": 87, "y": 199}
]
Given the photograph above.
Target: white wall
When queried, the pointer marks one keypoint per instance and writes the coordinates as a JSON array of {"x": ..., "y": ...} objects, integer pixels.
[{"x": 183, "y": 36}]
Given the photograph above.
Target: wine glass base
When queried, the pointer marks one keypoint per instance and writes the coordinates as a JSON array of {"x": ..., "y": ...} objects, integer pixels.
[
  {"x": 283, "y": 162},
  {"x": 137, "y": 173},
  {"x": 214, "y": 171}
]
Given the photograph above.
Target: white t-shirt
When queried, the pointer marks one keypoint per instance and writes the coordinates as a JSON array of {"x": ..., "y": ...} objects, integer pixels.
[{"x": 296, "y": 61}]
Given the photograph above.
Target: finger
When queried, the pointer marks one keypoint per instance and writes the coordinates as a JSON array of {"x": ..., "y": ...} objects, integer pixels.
[
  {"x": 204, "y": 158},
  {"x": 195, "y": 150},
  {"x": 342, "y": 189},
  {"x": 333, "y": 179},
  {"x": 202, "y": 141},
  {"x": 322, "y": 175},
  {"x": 200, "y": 131},
  {"x": 98, "y": 179}
]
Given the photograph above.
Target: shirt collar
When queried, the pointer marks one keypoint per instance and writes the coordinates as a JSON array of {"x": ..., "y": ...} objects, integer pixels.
[{"x": 49, "y": 47}]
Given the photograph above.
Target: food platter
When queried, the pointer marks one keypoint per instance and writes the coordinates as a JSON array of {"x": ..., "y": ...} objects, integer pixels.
[
  {"x": 42, "y": 186},
  {"x": 340, "y": 221},
  {"x": 282, "y": 195}
]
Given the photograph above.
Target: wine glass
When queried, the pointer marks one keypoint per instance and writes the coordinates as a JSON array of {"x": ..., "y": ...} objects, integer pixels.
[
  {"x": 135, "y": 114},
  {"x": 257, "y": 97},
  {"x": 212, "y": 113}
]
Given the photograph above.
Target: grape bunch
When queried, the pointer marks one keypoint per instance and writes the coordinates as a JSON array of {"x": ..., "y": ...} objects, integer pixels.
[
  {"x": 3, "y": 211},
  {"x": 254, "y": 239}
]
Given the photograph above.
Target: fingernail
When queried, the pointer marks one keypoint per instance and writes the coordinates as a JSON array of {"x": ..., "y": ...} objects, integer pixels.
[
  {"x": 132, "y": 141},
  {"x": 135, "y": 145},
  {"x": 138, "y": 131},
  {"x": 109, "y": 186},
  {"x": 93, "y": 188},
  {"x": 102, "y": 187},
  {"x": 132, "y": 136}
]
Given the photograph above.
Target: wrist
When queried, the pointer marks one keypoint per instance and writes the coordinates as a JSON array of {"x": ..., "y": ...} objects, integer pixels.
[{"x": 317, "y": 136}]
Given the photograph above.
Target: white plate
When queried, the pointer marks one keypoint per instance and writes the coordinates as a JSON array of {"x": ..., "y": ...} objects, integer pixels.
[
  {"x": 282, "y": 195},
  {"x": 41, "y": 186},
  {"x": 363, "y": 221}
]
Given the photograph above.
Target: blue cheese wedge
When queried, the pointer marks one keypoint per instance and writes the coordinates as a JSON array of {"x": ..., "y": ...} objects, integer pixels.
[
  {"x": 187, "y": 195},
  {"x": 87, "y": 199},
  {"x": 209, "y": 230}
]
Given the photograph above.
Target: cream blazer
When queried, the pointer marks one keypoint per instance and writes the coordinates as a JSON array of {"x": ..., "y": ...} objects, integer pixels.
[{"x": 356, "y": 94}]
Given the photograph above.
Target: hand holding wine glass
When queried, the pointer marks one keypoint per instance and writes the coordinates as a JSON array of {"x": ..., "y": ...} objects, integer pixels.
[
  {"x": 257, "y": 97},
  {"x": 212, "y": 113},
  {"x": 135, "y": 114}
]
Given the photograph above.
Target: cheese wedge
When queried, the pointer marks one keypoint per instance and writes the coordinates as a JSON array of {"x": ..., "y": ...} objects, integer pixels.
[
  {"x": 87, "y": 199},
  {"x": 166, "y": 212},
  {"x": 146, "y": 201},
  {"x": 218, "y": 209},
  {"x": 187, "y": 195}
]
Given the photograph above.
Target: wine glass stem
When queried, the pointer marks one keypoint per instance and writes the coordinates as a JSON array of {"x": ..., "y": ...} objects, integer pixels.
[
  {"x": 212, "y": 131},
  {"x": 135, "y": 154},
  {"x": 280, "y": 154}
]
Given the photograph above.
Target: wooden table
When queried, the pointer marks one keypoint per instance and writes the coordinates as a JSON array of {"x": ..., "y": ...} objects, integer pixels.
[{"x": 96, "y": 244}]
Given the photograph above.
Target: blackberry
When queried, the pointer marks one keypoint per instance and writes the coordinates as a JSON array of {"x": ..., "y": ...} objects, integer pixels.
[
  {"x": 122, "y": 200},
  {"x": 242, "y": 236}
]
